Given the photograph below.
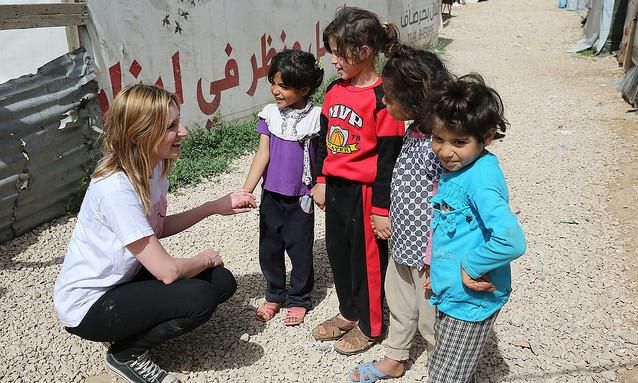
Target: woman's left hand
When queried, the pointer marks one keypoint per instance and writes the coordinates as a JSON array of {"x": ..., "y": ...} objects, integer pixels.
[
  {"x": 212, "y": 257},
  {"x": 239, "y": 201}
]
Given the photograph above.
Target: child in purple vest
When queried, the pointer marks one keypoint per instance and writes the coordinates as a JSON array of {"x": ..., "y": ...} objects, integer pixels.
[{"x": 288, "y": 130}]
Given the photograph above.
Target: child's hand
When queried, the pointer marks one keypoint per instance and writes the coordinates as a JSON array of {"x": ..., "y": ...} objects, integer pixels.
[
  {"x": 426, "y": 283},
  {"x": 381, "y": 226},
  {"x": 481, "y": 284},
  {"x": 318, "y": 193}
]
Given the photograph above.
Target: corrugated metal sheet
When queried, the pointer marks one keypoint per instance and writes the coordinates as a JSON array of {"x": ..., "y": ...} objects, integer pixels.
[{"x": 48, "y": 133}]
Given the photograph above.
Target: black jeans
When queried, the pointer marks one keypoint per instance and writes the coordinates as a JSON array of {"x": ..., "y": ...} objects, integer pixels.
[
  {"x": 145, "y": 312},
  {"x": 284, "y": 227}
]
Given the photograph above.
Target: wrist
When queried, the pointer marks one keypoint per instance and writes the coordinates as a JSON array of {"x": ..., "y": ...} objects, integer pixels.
[
  {"x": 211, "y": 208},
  {"x": 247, "y": 187},
  {"x": 380, "y": 211}
]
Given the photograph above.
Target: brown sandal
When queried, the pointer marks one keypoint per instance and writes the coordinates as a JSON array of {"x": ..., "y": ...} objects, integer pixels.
[
  {"x": 357, "y": 340},
  {"x": 294, "y": 316},
  {"x": 267, "y": 311},
  {"x": 333, "y": 328}
]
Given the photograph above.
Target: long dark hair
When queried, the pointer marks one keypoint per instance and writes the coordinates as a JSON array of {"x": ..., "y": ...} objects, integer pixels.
[
  {"x": 353, "y": 27},
  {"x": 409, "y": 75}
]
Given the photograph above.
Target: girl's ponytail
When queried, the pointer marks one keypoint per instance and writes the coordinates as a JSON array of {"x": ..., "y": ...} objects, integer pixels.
[
  {"x": 353, "y": 27},
  {"x": 391, "y": 39}
]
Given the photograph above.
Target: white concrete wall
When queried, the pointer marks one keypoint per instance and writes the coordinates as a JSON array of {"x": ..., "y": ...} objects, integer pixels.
[{"x": 215, "y": 53}]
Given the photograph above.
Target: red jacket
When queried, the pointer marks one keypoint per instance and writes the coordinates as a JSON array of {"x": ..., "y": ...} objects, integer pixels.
[{"x": 362, "y": 140}]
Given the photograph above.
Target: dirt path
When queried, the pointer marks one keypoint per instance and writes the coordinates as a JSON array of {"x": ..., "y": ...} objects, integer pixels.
[{"x": 570, "y": 162}]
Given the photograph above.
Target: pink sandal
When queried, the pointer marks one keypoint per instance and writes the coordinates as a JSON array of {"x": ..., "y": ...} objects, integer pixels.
[
  {"x": 267, "y": 311},
  {"x": 294, "y": 316}
]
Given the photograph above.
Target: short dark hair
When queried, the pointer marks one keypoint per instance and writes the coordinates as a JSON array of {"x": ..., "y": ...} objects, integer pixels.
[
  {"x": 409, "y": 75},
  {"x": 467, "y": 105},
  {"x": 298, "y": 70}
]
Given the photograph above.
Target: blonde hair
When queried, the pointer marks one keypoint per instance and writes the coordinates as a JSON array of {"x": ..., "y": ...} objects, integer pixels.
[{"x": 134, "y": 126}]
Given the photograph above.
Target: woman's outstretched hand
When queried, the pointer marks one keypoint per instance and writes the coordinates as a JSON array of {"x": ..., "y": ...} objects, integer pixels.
[{"x": 239, "y": 201}]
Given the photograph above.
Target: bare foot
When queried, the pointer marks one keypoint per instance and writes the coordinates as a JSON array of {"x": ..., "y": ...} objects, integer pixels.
[{"x": 389, "y": 367}]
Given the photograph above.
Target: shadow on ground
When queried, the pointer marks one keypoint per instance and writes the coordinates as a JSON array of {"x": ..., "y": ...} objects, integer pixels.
[
  {"x": 492, "y": 366},
  {"x": 224, "y": 342},
  {"x": 12, "y": 249}
]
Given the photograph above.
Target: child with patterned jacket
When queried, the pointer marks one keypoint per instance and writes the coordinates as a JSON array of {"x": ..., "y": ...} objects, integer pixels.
[{"x": 409, "y": 75}]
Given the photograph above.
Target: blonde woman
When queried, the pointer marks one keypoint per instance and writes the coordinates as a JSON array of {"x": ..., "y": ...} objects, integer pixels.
[{"x": 117, "y": 283}]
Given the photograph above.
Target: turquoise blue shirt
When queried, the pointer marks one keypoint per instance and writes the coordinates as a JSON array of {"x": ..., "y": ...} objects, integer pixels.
[{"x": 474, "y": 228}]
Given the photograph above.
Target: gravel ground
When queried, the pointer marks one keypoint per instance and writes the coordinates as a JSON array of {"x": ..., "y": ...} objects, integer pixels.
[{"x": 570, "y": 162}]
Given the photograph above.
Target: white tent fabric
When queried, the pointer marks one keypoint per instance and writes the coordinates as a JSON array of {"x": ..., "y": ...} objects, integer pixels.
[{"x": 597, "y": 27}]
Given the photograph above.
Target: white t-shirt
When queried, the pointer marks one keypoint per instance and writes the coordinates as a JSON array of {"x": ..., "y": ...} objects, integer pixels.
[{"x": 110, "y": 218}]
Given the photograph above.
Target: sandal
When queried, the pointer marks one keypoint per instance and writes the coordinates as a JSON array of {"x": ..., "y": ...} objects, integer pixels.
[
  {"x": 334, "y": 328},
  {"x": 369, "y": 374},
  {"x": 294, "y": 316},
  {"x": 267, "y": 311},
  {"x": 357, "y": 340}
]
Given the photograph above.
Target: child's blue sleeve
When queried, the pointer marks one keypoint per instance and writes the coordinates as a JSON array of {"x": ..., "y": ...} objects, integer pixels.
[{"x": 505, "y": 241}]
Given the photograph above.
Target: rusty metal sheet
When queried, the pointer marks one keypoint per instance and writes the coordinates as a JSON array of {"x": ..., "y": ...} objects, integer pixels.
[{"x": 48, "y": 130}]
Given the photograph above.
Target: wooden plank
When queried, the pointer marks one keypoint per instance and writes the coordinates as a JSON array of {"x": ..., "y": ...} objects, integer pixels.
[{"x": 21, "y": 16}]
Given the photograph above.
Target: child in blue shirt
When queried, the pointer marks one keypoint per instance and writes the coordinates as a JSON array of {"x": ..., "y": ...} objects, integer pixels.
[{"x": 475, "y": 233}]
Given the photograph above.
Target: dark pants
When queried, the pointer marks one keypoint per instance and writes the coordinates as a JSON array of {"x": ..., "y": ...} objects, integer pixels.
[
  {"x": 145, "y": 312},
  {"x": 358, "y": 260},
  {"x": 284, "y": 226}
]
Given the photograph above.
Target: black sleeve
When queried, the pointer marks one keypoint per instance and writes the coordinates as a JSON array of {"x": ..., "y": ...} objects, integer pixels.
[
  {"x": 389, "y": 148},
  {"x": 389, "y": 141}
]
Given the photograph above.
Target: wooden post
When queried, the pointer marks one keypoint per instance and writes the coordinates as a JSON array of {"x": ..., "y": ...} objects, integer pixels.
[{"x": 72, "y": 33}]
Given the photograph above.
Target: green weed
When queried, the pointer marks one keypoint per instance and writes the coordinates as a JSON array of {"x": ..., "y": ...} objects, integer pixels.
[
  {"x": 206, "y": 153},
  {"x": 438, "y": 48},
  {"x": 586, "y": 53}
]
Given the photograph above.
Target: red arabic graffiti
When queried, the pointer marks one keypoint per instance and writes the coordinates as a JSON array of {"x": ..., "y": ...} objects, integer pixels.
[
  {"x": 204, "y": 90},
  {"x": 115, "y": 76},
  {"x": 230, "y": 80}
]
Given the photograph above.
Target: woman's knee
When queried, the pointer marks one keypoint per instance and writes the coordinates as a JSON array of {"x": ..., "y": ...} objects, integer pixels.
[{"x": 224, "y": 283}]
